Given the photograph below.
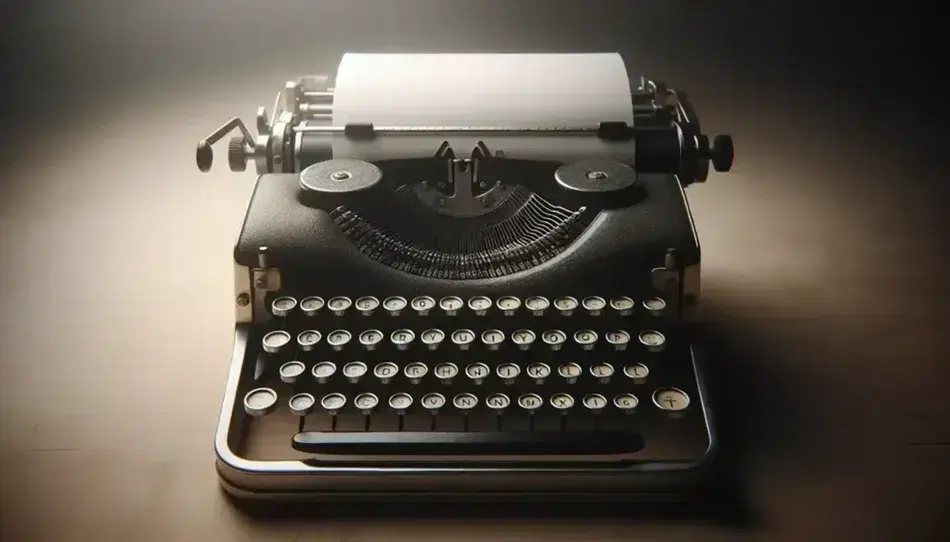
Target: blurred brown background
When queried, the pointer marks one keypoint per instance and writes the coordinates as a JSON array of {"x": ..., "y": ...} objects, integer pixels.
[{"x": 825, "y": 275}]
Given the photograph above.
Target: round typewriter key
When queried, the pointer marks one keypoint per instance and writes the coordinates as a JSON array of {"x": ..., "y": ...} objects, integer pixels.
[
  {"x": 385, "y": 371},
  {"x": 463, "y": 338},
  {"x": 653, "y": 340},
  {"x": 402, "y": 338},
  {"x": 354, "y": 370},
  {"x": 508, "y": 372},
  {"x": 619, "y": 339},
  {"x": 308, "y": 339},
  {"x": 622, "y": 305},
  {"x": 260, "y": 402},
  {"x": 415, "y": 371},
  {"x": 446, "y": 372},
  {"x": 524, "y": 338},
  {"x": 602, "y": 372},
  {"x": 594, "y": 305},
  {"x": 451, "y": 305},
  {"x": 371, "y": 338},
  {"x": 530, "y": 402},
  {"x": 338, "y": 305},
  {"x": 311, "y": 305},
  {"x": 671, "y": 400},
  {"x": 566, "y": 305},
  {"x": 433, "y": 402},
  {"x": 539, "y": 371},
  {"x": 637, "y": 372},
  {"x": 554, "y": 338},
  {"x": 301, "y": 404},
  {"x": 282, "y": 306},
  {"x": 423, "y": 304},
  {"x": 626, "y": 403},
  {"x": 537, "y": 305},
  {"x": 394, "y": 305},
  {"x": 479, "y": 304},
  {"x": 400, "y": 402},
  {"x": 323, "y": 371},
  {"x": 291, "y": 371},
  {"x": 570, "y": 372},
  {"x": 586, "y": 338},
  {"x": 338, "y": 339},
  {"x": 594, "y": 402},
  {"x": 477, "y": 372},
  {"x": 654, "y": 306},
  {"x": 562, "y": 402},
  {"x": 465, "y": 402},
  {"x": 508, "y": 304},
  {"x": 498, "y": 402},
  {"x": 493, "y": 338},
  {"x": 275, "y": 341},
  {"x": 367, "y": 304},
  {"x": 333, "y": 402},
  {"x": 432, "y": 338},
  {"x": 366, "y": 402}
]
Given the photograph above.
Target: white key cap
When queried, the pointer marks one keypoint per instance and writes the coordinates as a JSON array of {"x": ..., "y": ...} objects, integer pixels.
[
  {"x": 673, "y": 401},
  {"x": 623, "y": 306},
  {"x": 333, "y": 402},
  {"x": 339, "y": 339},
  {"x": 282, "y": 306},
  {"x": 626, "y": 403},
  {"x": 354, "y": 371},
  {"x": 530, "y": 402},
  {"x": 498, "y": 402},
  {"x": 385, "y": 371},
  {"x": 508, "y": 304},
  {"x": 477, "y": 372},
  {"x": 595, "y": 403},
  {"x": 371, "y": 338},
  {"x": 394, "y": 305},
  {"x": 618, "y": 339},
  {"x": 260, "y": 401},
  {"x": 537, "y": 305},
  {"x": 311, "y": 305},
  {"x": 446, "y": 372},
  {"x": 451, "y": 305},
  {"x": 432, "y": 338},
  {"x": 339, "y": 305},
  {"x": 594, "y": 305},
  {"x": 400, "y": 402},
  {"x": 554, "y": 338},
  {"x": 508, "y": 372},
  {"x": 465, "y": 402},
  {"x": 570, "y": 372},
  {"x": 402, "y": 338},
  {"x": 433, "y": 402},
  {"x": 423, "y": 304},
  {"x": 415, "y": 371},
  {"x": 291, "y": 371},
  {"x": 366, "y": 402},
  {"x": 524, "y": 338},
  {"x": 307, "y": 339},
  {"x": 602, "y": 372},
  {"x": 654, "y": 306},
  {"x": 275, "y": 341},
  {"x": 479, "y": 305},
  {"x": 654, "y": 341},
  {"x": 323, "y": 370},
  {"x": 463, "y": 338},
  {"x": 586, "y": 338},
  {"x": 301, "y": 404},
  {"x": 493, "y": 339},
  {"x": 563, "y": 402},
  {"x": 566, "y": 305},
  {"x": 367, "y": 304},
  {"x": 539, "y": 372},
  {"x": 637, "y": 372}
]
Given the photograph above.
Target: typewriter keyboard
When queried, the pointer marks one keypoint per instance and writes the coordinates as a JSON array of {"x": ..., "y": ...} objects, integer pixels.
[{"x": 384, "y": 378}]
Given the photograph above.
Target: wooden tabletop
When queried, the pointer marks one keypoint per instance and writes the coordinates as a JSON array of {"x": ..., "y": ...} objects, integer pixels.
[{"x": 823, "y": 313}]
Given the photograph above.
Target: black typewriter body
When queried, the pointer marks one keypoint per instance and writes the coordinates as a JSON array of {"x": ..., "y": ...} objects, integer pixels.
[{"x": 532, "y": 350}]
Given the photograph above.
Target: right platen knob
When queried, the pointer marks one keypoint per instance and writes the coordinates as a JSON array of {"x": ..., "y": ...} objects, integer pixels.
[{"x": 721, "y": 153}]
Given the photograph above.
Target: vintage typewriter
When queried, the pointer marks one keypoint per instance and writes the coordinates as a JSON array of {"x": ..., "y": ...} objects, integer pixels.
[{"x": 465, "y": 323}]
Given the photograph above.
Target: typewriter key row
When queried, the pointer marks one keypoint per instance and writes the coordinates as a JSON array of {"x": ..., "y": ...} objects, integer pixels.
[
  {"x": 451, "y": 305},
  {"x": 275, "y": 342},
  {"x": 477, "y": 372},
  {"x": 263, "y": 401}
]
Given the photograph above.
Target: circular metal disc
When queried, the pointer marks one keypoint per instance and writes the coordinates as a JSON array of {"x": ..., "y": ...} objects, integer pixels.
[
  {"x": 595, "y": 176},
  {"x": 340, "y": 176}
]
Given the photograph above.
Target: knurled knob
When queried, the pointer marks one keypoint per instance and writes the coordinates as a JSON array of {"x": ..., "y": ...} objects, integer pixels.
[
  {"x": 237, "y": 155},
  {"x": 722, "y": 153}
]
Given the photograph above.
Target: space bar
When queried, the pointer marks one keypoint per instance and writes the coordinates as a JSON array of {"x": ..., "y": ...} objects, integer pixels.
[{"x": 435, "y": 443}]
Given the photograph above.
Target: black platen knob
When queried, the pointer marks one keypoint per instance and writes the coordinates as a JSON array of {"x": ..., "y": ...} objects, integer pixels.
[
  {"x": 237, "y": 157},
  {"x": 204, "y": 156},
  {"x": 722, "y": 153}
]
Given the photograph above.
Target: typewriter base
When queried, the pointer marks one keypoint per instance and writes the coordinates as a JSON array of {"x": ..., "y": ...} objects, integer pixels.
[{"x": 296, "y": 480}]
